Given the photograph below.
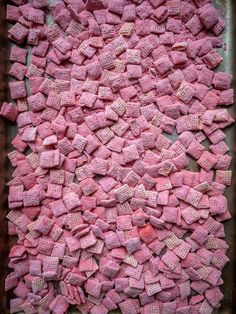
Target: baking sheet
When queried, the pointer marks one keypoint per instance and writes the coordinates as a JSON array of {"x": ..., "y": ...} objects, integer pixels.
[{"x": 8, "y": 131}]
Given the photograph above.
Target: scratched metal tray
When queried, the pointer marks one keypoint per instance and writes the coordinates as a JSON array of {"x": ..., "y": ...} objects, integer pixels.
[{"x": 8, "y": 131}]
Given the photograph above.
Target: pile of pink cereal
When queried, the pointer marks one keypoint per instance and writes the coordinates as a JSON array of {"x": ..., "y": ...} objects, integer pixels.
[{"x": 112, "y": 100}]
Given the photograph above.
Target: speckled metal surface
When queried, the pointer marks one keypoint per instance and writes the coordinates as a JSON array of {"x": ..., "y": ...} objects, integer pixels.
[{"x": 8, "y": 131}]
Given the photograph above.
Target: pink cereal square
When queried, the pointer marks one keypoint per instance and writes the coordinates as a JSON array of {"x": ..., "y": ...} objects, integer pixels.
[
  {"x": 185, "y": 92},
  {"x": 124, "y": 223},
  {"x": 178, "y": 57},
  {"x": 54, "y": 191},
  {"x": 134, "y": 71},
  {"x": 160, "y": 14},
  {"x": 18, "y": 70},
  {"x": 18, "y": 54},
  {"x": 163, "y": 64},
  {"x": 58, "y": 208},
  {"x": 12, "y": 13},
  {"x": 194, "y": 25},
  {"x": 9, "y": 111},
  {"x": 130, "y": 153},
  {"x": 208, "y": 16},
  {"x": 212, "y": 59},
  {"x": 37, "y": 102},
  {"x": 87, "y": 99},
  {"x": 67, "y": 98},
  {"x": 17, "y": 89},
  {"x": 174, "y": 25},
  {"x": 205, "y": 76},
  {"x": 18, "y": 33},
  {"x": 163, "y": 87},
  {"x": 199, "y": 235},
  {"x": 219, "y": 27}
]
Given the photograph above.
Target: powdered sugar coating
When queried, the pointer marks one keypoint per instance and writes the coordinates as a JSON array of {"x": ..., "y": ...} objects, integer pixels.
[{"x": 108, "y": 211}]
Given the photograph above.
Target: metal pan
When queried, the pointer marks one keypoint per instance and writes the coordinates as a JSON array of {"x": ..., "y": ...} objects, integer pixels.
[{"x": 8, "y": 131}]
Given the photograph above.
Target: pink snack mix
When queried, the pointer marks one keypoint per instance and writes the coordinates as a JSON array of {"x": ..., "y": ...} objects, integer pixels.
[{"x": 107, "y": 209}]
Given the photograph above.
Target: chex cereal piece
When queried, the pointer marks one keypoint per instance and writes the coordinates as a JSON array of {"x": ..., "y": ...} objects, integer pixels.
[
  {"x": 88, "y": 186},
  {"x": 133, "y": 56},
  {"x": 119, "y": 45},
  {"x": 190, "y": 215},
  {"x": 93, "y": 287},
  {"x": 87, "y": 99},
  {"x": 194, "y": 25},
  {"x": 111, "y": 114},
  {"x": 134, "y": 272},
  {"x": 222, "y": 80},
  {"x": 74, "y": 28},
  {"x": 116, "y": 144},
  {"x": 132, "y": 179},
  {"x": 219, "y": 27},
  {"x": 134, "y": 71},
  {"x": 62, "y": 45},
  {"x": 207, "y": 161},
  {"x": 174, "y": 7},
  {"x": 105, "y": 135},
  {"x": 124, "y": 208},
  {"x": 119, "y": 106},
  {"x": 17, "y": 89},
  {"x": 127, "y": 306},
  {"x": 123, "y": 193},
  {"x": 126, "y": 29},
  {"x": 182, "y": 250},
  {"x": 71, "y": 201},
  {"x": 208, "y": 15},
  {"x": 34, "y": 71},
  {"x": 99, "y": 166},
  {"x": 185, "y": 92},
  {"x": 193, "y": 197},
  {"x": 132, "y": 245},
  {"x": 212, "y": 59},
  {"x": 67, "y": 98},
  {"x": 199, "y": 235},
  {"x": 160, "y": 14},
  {"x": 87, "y": 50},
  {"x": 130, "y": 153},
  {"x": 9, "y": 111},
  {"x": 172, "y": 242},
  {"x": 124, "y": 223},
  {"x": 170, "y": 259},
  {"x": 37, "y": 102},
  {"x": 18, "y": 33},
  {"x": 163, "y": 64},
  {"x": 107, "y": 60},
  {"x": 105, "y": 93},
  {"x": 120, "y": 127},
  {"x": 152, "y": 307},
  {"x": 110, "y": 269},
  {"x": 147, "y": 234},
  {"x": 152, "y": 288},
  {"x": 18, "y": 54},
  {"x": 224, "y": 177},
  {"x": 79, "y": 142},
  {"x": 18, "y": 70},
  {"x": 116, "y": 7},
  {"x": 157, "y": 28}
]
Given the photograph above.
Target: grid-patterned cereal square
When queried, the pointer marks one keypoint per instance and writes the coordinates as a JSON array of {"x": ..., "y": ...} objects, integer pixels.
[
  {"x": 17, "y": 89},
  {"x": 163, "y": 64},
  {"x": 130, "y": 153},
  {"x": 134, "y": 71},
  {"x": 79, "y": 142}
]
